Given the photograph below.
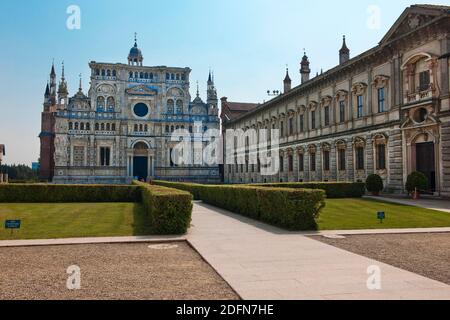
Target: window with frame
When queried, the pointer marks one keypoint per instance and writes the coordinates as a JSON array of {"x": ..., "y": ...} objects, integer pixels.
[
  {"x": 342, "y": 111},
  {"x": 301, "y": 162},
  {"x": 291, "y": 163},
  {"x": 312, "y": 159},
  {"x": 282, "y": 129},
  {"x": 105, "y": 156},
  {"x": 342, "y": 159},
  {"x": 291, "y": 126},
  {"x": 381, "y": 100},
  {"x": 360, "y": 106},
  {"x": 78, "y": 156},
  {"x": 327, "y": 115},
  {"x": 281, "y": 164},
  {"x": 326, "y": 160},
  {"x": 381, "y": 156},
  {"x": 313, "y": 120},
  {"x": 302, "y": 123},
  {"x": 424, "y": 80},
  {"x": 359, "y": 158}
]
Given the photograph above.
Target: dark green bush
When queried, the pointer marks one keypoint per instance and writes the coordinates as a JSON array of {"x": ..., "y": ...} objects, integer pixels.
[
  {"x": 292, "y": 209},
  {"x": 169, "y": 210},
  {"x": 374, "y": 183},
  {"x": 416, "y": 180},
  {"x": 52, "y": 193},
  {"x": 333, "y": 190},
  {"x": 192, "y": 188}
]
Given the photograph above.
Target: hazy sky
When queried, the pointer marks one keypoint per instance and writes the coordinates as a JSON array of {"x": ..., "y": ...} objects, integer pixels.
[{"x": 246, "y": 42}]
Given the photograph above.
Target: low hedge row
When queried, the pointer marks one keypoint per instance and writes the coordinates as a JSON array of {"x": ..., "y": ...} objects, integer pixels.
[
  {"x": 334, "y": 190},
  {"x": 169, "y": 210},
  {"x": 52, "y": 193},
  {"x": 292, "y": 209}
]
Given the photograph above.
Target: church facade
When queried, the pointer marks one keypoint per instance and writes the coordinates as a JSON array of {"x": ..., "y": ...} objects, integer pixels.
[
  {"x": 122, "y": 128},
  {"x": 386, "y": 111}
]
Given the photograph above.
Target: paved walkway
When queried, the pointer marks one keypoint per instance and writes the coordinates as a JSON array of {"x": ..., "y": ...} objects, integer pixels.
[
  {"x": 435, "y": 204},
  {"x": 263, "y": 262}
]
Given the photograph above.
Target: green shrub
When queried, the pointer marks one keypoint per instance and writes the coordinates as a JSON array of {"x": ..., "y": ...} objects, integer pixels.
[
  {"x": 169, "y": 210},
  {"x": 292, "y": 209},
  {"x": 333, "y": 190},
  {"x": 53, "y": 193},
  {"x": 416, "y": 180},
  {"x": 374, "y": 183},
  {"x": 192, "y": 188}
]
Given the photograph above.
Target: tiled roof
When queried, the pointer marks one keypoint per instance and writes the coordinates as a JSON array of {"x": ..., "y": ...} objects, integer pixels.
[{"x": 234, "y": 110}]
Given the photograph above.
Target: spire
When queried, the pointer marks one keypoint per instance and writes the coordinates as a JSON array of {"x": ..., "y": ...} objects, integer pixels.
[
  {"x": 47, "y": 91},
  {"x": 80, "y": 89},
  {"x": 135, "y": 40},
  {"x": 52, "y": 72},
  {"x": 62, "y": 72},
  {"x": 287, "y": 81},
  {"x": 198, "y": 91},
  {"x": 135, "y": 57},
  {"x": 344, "y": 52},
  {"x": 304, "y": 69}
]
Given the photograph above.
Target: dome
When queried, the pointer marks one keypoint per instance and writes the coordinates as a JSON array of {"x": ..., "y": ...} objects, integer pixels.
[
  {"x": 135, "y": 57},
  {"x": 135, "y": 52}
]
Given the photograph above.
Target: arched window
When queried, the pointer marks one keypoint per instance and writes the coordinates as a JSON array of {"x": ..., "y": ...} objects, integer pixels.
[
  {"x": 141, "y": 128},
  {"x": 178, "y": 76},
  {"x": 151, "y": 76},
  {"x": 114, "y": 73},
  {"x": 82, "y": 126},
  {"x": 170, "y": 106},
  {"x": 111, "y": 104},
  {"x": 172, "y": 76},
  {"x": 97, "y": 72},
  {"x": 113, "y": 127},
  {"x": 136, "y": 128},
  {"x": 88, "y": 126},
  {"x": 101, "y": 103},
  {"x": 108, "y": 73},
  {"x": 103, "y": 126},
  {"x": 146, "y": 75},
  {"x": 131, "y": 75},
  {"x": 76, "y": 125},
  {"x": 179, "y": 107},
  {"x": 141, "y": 75},
  {"x": 103, "y": 72},
  {"x": 136, "y": 75},
  {"x": 146, "y": 128},
  {"x": 108, "y": 127},
  {"x": 97, "y": 127},
  {"x": 172, "y": 128},
  {"x": 167, "y": 129},
  {"x": 70, "y": 126}
]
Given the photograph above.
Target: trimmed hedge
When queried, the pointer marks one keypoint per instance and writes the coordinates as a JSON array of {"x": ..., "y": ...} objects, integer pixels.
[
  {"x": 292, "y": 209},
  {"x": 333, "y": 190},
  {"x": 52, "y": 193},
  {"x": 169, "y": 210}
]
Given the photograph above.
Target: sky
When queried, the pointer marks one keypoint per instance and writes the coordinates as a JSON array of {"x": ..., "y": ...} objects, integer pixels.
[{"x": 247, "y": 43}]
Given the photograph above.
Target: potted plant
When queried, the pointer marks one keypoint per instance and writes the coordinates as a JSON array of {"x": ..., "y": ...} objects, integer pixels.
[
  {"x": 415, "y": 183},
  {"x": 374, "y": 184}
]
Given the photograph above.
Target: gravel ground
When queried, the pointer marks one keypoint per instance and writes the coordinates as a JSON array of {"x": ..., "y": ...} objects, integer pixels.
[
  {"x": 117, "y": 272},
  {"x": 427, "y": 254}
]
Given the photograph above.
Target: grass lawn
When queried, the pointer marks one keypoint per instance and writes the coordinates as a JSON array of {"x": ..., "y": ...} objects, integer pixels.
[
  {"x": 356, "y": 214},
  {"x": 66, "y": 220}
]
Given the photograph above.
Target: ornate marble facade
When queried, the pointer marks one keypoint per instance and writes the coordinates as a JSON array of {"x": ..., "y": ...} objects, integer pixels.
[
  {"x": 386, "y": 111},
  {"x": 122, "y": 128}
]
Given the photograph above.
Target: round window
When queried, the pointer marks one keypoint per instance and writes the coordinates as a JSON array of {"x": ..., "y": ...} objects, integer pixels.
[
  {"x": 420, "y": 115},
  {"x": 140, "y": 110}
]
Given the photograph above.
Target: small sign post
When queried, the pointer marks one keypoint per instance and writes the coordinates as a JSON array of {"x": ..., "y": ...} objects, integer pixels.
[
  {"x": 381, "y": 216},
  {"x": 12, "y": 225}
]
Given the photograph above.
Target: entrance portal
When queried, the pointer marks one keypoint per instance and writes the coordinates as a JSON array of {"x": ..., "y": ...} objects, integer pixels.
[
  {"x": 425, "y": 162},
  {"x": 140, "y": 161}
]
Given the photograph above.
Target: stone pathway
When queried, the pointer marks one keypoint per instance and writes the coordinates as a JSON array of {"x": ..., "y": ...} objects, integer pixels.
[
  {"x": 263, "y": 262},
  {"x": 435, "y": 204}
]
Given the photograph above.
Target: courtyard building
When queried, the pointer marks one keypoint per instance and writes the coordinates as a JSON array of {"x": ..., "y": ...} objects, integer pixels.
[
  {"x": 386, "y": 111},
  {"x": 121, "y": 128}
]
